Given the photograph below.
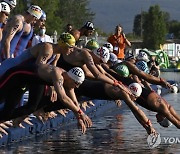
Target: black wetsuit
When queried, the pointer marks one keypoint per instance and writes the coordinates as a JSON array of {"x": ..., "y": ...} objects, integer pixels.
[
  {"x": 20, "y": 76},
  {"x": 142, "y": 100},
  {"x": 92, "y": 89},
  {"x": 63, "y": 64},
  {"x": 11, "y": 84},
  {"x": 95, "y": 89}
]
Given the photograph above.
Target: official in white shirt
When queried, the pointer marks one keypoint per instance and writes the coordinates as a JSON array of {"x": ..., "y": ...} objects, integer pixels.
[{"x": 42, "y": 37}]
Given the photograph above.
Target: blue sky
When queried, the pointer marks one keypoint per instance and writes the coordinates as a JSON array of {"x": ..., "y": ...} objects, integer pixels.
[{"x": 112, "y": 12}]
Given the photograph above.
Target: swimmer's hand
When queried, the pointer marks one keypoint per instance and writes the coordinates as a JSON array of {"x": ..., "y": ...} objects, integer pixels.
[
  {"x": 86, "y": 104},
  {"x": 118, "y": 103},
  {"x": 165, "y": 83},
  {"x": 149, "y": 128},
  {"x": 82, "y": 125},
  {"x": 53, "y": 94},
  {"x": 83, "y": 120}
]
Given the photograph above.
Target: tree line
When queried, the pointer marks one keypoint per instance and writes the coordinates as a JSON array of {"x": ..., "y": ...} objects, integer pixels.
[
  {"x": 59, "y": 12},
  {"x": 153, "y": 27}
]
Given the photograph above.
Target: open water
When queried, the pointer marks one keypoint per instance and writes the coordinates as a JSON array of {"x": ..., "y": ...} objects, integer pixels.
[{"x": 115, "y": 131}]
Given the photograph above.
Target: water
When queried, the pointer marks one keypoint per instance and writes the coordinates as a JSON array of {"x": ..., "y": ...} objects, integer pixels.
[{"x": 116, "y": 131}]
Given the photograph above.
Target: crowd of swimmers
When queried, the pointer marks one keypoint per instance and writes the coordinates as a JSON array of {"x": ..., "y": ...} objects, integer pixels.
[{"x": 56, "y": 76}]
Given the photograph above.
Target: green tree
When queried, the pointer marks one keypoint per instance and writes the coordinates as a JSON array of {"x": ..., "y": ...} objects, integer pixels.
[
  {"x": 59, "y": 12},
  {"x": 21, "y": 7},
  {"x": 74, "y": 12},
  {"x": 154, "y": 28},
  {"x": 51, "y": 7},
  {"x": 138, "y": 24},
  {"x": 174, "y": 27}
]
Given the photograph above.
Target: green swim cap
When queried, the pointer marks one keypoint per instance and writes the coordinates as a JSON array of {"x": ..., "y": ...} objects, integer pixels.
[
  {"x": 92, "y": 44},
  {"x": 122, "y": 70}
]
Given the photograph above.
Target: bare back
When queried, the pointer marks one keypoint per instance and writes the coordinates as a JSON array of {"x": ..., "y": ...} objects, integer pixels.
[{"x": 76, "y": 58}]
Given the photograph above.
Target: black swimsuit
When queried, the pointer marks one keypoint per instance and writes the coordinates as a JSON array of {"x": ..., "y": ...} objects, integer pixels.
[
  {"x": 92, "y": 89},
  {"x": 11, "y": 85},
  {"x": 63, "y": 64},
  {"x": 142, "y": 100}
]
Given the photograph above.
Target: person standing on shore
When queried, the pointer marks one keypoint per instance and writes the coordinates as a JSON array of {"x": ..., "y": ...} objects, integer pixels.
[{"x": 119, "y": 42}]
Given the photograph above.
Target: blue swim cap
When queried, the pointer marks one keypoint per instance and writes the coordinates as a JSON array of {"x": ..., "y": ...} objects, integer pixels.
[
  {"x": 142, "y": 65},
  {"x": 43, "y": 16}
]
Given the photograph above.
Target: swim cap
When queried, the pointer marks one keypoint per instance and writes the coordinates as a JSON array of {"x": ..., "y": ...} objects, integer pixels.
[
  {"x": 109, "y": 46},
  {"x": 142, "y": 65},
  {"x": 92, "y": 44},
  {"x": 174, "y": 89},
  {"x": 35, "y": 11},
  {"x": 12, "y": 3},
  {"x": 102, "y": 53},
  {"x": 136, "y": 89},
  {"x": 129, "y": 56},
  {"x": 89, "y": 25},
  {"x": 43, "y": 16},
  {"x": 118, "y": 61},
  {"x": 122, "y": 70},
  {"x": 163, "y": 121},
  {"x": 66, "y": 39},
  {"x": 77, "y": 74},
  {"x": 143, "y": 56},
  {"x": 113, "y": 58},
  {"x": 5, "y": 7}
]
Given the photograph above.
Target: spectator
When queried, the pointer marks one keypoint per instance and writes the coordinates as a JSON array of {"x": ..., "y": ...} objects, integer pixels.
[
  {"x": 154, "y": 66},
  {"x": 86, "y": 30},
  {"x": 42, "y": 37},
  {"x": 119, "y": 42},
  {"x": 69, "y": 28}
]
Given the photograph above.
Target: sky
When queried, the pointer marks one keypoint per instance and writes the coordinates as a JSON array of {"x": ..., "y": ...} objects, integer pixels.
[{"x": 109, "y": 13}]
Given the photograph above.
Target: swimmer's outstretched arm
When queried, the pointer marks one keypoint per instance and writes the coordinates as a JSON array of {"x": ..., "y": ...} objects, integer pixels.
[
  {"x": 150, "y": 78},
  {"x": 138, "y": 113},
  {"x": 82, "y": 119}
]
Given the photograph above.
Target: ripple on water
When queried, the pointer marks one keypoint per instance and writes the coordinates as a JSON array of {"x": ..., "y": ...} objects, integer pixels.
[{"x": 113, "y": 132}]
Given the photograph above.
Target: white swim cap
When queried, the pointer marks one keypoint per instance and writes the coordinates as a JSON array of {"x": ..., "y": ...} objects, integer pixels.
[
  {"x": 5, "y": 7},
  {"x": 12, "y": 3},
  {"x": 136, "y": 89},
  {"x": 77, "y": 74},
  {"x": 174, "y": 89},
  {"x": 143, "y": 56},
  {"x": 165, "y": 123},
  {"x": 102, "y": 53},
  {"x": 118, "y": 62},
  {"x": 109, "y": 46},
  {"x": 113, "y": 58},
  {"x": 35, "y": 11}
]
